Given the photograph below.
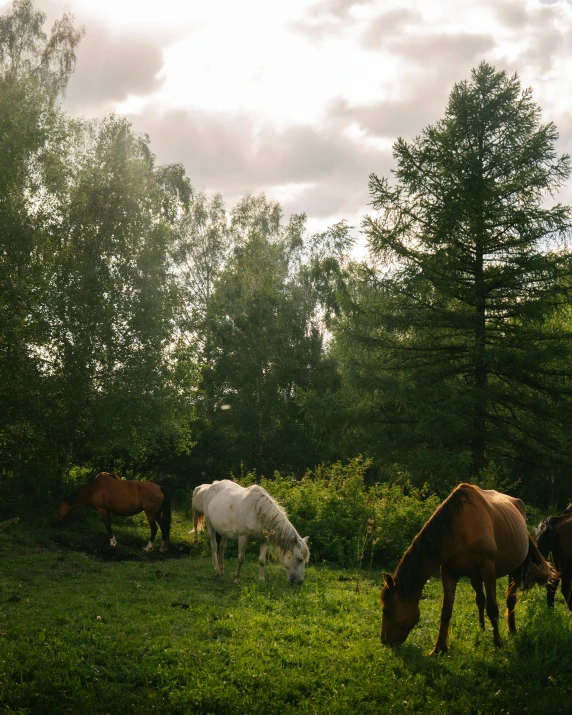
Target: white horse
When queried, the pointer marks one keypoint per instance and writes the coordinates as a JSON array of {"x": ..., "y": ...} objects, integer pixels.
[
  {"x": 197, "y": 507},
  {"x": 233, "y": 512}
]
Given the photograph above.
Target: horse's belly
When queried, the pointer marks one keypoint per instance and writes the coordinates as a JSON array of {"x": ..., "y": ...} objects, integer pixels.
[
  {"x": 119, "y": 510},
  {"x": 509, "y": 562}
]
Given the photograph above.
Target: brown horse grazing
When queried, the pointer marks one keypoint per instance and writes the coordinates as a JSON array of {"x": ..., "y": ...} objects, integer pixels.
[
  {"x": 554, "y": 536},
  {"x": 477, "y": 533},
  {"x": 109, "y": 494}
]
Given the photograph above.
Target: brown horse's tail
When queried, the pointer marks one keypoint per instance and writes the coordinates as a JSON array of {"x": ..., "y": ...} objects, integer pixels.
[
  {"x": 165, "y": 515},
  {"x": 535, "y": 568}
]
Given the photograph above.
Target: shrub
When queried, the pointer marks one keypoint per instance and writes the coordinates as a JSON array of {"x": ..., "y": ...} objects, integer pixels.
[{"x": 349, "y": 523}]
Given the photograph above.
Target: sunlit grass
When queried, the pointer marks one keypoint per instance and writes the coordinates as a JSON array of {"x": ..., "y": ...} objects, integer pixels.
[{"x": 162, "y": 634}]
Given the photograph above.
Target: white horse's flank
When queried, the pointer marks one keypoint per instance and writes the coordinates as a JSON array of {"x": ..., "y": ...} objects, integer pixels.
[
  {"x": 198, "y": 508},
  {"x": 233, "y": 512}
]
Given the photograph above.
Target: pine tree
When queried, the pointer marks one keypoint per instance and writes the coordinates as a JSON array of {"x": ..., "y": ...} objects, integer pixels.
[{"x": 472, "y": 345}]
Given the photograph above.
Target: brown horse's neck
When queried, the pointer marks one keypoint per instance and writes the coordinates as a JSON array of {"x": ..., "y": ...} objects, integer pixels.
[
  {"x": 426, "y": 552},
  {"x": 80, "y": 498},
  {"x": 414, "y": 570}
]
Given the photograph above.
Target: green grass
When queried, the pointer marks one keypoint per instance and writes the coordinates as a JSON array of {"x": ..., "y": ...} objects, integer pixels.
[{"x": 92, "y": 635}]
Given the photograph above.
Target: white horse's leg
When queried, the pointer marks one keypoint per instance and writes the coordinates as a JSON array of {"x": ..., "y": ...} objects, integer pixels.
[
  {"x": 214, "y": 547},
  {"x": 262, "y": 559},
  {"x": 242, "y": 541},
  {"x": 221, "y": 546}
]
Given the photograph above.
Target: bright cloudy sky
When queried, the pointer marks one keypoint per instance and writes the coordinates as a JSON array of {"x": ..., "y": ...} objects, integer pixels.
[{"x": 302, "y": 99}]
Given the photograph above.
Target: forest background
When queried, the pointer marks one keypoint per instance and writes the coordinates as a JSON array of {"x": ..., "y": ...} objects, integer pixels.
[{"x": 147, "y": 328}]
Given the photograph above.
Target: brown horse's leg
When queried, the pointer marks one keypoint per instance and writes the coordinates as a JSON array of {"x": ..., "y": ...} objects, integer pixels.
[
  {"x": 106, "y": 518},
  {"x": 551, "y": 588},
  {"x": 262, "y": 559},
  {"x": 480, "y": 599},
  {"x": 566, "y": 577},
  {"x": 153, "y": 525},
  {"x": 489, "y": 579},
  {"x": 242, "y": 541},
  {"x": 449, "y": 588},
  {"x": 514, "y": 581}
]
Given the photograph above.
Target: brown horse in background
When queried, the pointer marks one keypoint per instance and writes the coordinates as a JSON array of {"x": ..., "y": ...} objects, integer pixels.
[
  {"x": 477, "y": 533},
  {"x": 554, "y": 537},
  {"x": 109, "y": 494}
]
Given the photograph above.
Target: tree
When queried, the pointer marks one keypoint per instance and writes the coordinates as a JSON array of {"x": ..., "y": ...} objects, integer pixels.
[
  {"x": 262, "y": 347},
  {"x": 114, "y": 305},
  {"x": 463, "y": 309},
  {"x": 34, "y": 70},
  {"x": 87, "y": 291}
]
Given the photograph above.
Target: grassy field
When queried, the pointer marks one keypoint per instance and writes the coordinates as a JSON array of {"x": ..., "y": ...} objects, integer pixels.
[{"x": 87, "y": 629}]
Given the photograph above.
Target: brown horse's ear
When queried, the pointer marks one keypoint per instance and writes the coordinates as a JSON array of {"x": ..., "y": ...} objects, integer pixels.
[{"x": 388, "y": 579}]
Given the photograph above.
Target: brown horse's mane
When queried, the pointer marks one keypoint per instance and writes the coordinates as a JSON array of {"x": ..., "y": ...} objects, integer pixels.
[
  {"x": 426, "y": 546},
  {"x": 545, "y": 536}
]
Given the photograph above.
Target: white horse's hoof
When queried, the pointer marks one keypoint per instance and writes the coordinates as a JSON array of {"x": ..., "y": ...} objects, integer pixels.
[{"x": 113, "y": 542}]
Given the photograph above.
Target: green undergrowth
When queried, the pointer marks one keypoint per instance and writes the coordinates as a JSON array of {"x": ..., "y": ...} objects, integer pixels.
[{"x": 83, "y": 631}]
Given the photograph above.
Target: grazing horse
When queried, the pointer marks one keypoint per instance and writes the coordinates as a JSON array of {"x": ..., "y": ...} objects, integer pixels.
[
  {"x": 197, "y": 507},
  {"x": 554, "y": 536},
  {"x": 477, "y": 533},
  {"x": 235, "y": 512},
  {"x": 109, "y": 494}
]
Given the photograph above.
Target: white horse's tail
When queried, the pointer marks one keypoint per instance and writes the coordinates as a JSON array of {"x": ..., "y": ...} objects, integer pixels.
[{"x": 198, "y": 522}]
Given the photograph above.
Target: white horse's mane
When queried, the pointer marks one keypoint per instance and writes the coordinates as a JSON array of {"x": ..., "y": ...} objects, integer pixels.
[{"x": 274, "y": 520}]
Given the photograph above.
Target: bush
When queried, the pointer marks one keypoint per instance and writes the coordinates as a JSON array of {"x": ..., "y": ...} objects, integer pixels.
[{"x": 349, "y": 523}]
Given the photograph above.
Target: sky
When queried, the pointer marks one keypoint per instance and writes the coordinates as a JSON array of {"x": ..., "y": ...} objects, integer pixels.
[{"x": 303, "y": 99}]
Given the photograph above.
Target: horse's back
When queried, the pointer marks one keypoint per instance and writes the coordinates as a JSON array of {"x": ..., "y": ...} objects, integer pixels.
[
  {"x": 492, "y": 525},
  {"x": 125, "y": 497},
  {"x": 231, "y": 508},
  {"x": 508, "y": 519}
]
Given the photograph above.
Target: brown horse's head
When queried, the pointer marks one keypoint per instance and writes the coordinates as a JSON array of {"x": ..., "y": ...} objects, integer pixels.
[
  {"x": 61, "y": 512},
  {"x": 399, "y": 615}
]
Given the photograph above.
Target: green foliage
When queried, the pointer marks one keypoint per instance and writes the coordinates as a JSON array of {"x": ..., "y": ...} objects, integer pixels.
[
  {"x": 260, "y": 345},
  {"x": 88, "y": 299},
  {"x": 349, "y": 523}
]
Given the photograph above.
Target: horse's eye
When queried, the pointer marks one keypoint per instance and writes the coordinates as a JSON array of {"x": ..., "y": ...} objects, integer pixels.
[{"x": 300, "y": 559}]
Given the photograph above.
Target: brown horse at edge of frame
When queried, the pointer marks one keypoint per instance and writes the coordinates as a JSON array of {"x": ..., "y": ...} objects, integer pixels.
[
  {"x": 477, "y": 533},
  {"x": 109, "y": 494},
  {"x": 554, "y": 537}
]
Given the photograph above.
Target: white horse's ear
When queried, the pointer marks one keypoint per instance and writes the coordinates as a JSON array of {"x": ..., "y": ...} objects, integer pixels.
[
  {"x": 305, "y": 539},
  {"x": 388, "y": 579}
]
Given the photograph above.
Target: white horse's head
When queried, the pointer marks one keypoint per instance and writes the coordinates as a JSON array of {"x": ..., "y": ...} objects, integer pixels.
[{"x": 295, "y": 559}]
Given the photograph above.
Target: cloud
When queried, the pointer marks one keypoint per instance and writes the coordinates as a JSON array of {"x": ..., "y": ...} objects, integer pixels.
[
  {"x": 326, "y": 172},
  {"x": 110, "y": 67},
  {"x": 111, "y": 64},
  {"x": 387, "y": 25}
]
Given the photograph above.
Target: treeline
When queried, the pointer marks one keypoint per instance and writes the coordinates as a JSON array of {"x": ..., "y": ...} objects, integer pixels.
[{"x": 150, "y": 329}]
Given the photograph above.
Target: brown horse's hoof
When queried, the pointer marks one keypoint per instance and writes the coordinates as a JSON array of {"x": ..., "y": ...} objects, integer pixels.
[{"x": 439, "y": 650}]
